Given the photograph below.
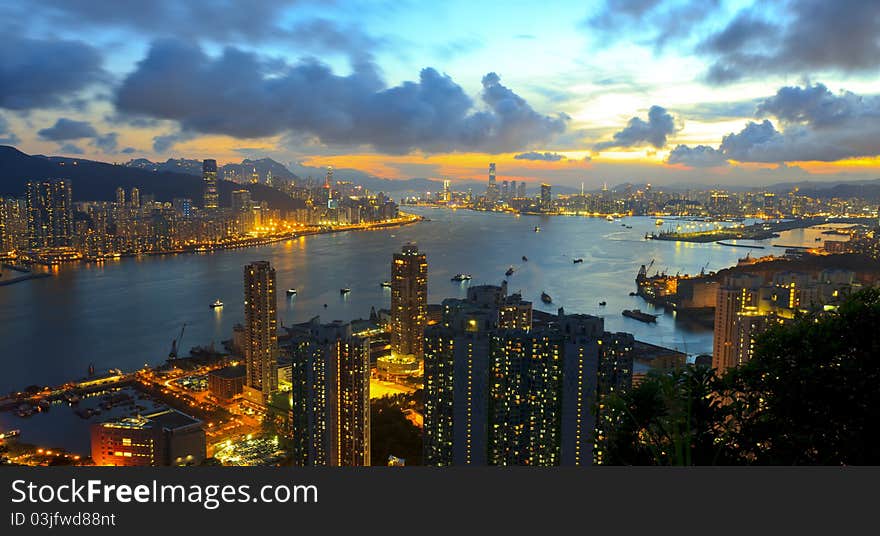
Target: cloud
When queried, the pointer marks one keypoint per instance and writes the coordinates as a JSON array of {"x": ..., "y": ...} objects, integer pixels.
[
  {"x": 817, "y": 106},
  {"x": 699, "y": 156},
  {"x": 176, "y": 81},
  {"x": 796, "y": 38},
  {"x": 532, "y": 155},
  {"x": 38, "y": 73},
  {"x": 107, "y": 143},
  {"x": 164, "y": 142},
  {"x": 128, "y": 150},
  {"x": 7, "y": 137},
  {"x": 656, "y": 22},
  {"x": 68, "y": 129},
  {"x": 70, "y": 148},
  {"x": 638, "y": 132}
]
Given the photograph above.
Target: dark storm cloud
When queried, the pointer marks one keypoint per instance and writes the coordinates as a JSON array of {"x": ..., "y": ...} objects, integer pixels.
[
  {"x": 810, "y": 35},
  {"x": 128, "y": 150},
  {"x": 267, "y": 97},
  {"x": 163, "y": 142},
  {"x": 533, "y": 155},
  {"x": 637, "y": 132},
  {"x": 38, "y": 73},
  {"x": 68, "y": 129},
  {"x": 699, "y": 156}
]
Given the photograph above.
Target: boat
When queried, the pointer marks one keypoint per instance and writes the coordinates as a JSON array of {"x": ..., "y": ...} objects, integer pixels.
[
  {"x": 629, "y": 226},
  {"x": 603, "y": 303},
  {"x": 609, "y": 218},
  {"x": 818, "y": 239},
  {"x": 461, "y": 277},
  {"x": 217, "y": 304},
  {"x": 385, "y": 284},
  {"x": 633, "y": 293},
  {"x": 525, "y": 259},
  {"x": 546, "y": 298},
  {"x": 344, "y": 290},
  {"x": 509, "y": 272},
  {"x": 291, "y": 291},
  {"x": 537, "y": 229},
  {"x": 639, "y": 315},
  {"x": 659, "y": 222},
  {"x": 578, "y": 260},
  {"x": 623, "y": 225}
]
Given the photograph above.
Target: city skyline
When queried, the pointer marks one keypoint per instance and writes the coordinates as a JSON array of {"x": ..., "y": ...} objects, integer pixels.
[{"x": 671, "y": 91}]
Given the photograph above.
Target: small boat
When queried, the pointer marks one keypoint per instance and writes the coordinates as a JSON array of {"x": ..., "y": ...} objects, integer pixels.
[
  {"x": 609, "y": 218},
  {"x": 291, "y": 292},
  {"x": 461, "y": 277},
  {"x": 659, "y": 222},
  {"x": 537, "y": 229},
  {"x": 344, "y": 290},
  {"x": 629, "y": 226},
  {"x": 509, "y": 272},
  {"x": 578, "y": 260},
  {"x": 217, "y": 304},
  {"x": 819, "y": 239},
  {"x": 525, "y": 259},
  {"x": 385, "y": 284},
  {"x": 633, "y": 293},
  {"x": 623, "y": 225},
  {"x": 640, "y": 316},
  {"x": 603, "y": 303},
  {"x": 546, "y": 298}
]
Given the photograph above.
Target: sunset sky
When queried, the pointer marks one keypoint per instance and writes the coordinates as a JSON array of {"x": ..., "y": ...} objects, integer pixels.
[{"x": 706, "y": 91}]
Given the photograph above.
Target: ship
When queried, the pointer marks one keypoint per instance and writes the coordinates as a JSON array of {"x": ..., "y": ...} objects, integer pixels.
[
  {"x": 578, "y": 260},
  {"x": 640, "y": 316},
  {"x": 344, "y": 290},
  {"x": 509, "y": 272},
  {"x": 461, "y": 277},
  {"x": 291, "y": 292},
  {"x": 546, "y": 298},
  {"x": 385, "y": 284},
  {"x": 217, "y": 303}
]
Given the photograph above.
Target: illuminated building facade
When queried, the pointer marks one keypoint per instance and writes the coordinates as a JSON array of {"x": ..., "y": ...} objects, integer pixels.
[
  {"x": 409, "y": 300},
  {"x": 261, "y": 331},
  {"x": 492, "y": 187},
  {"x": 49, "y": 213},
  {"x": 210, "y": 199},
  {"x": 163, "y": 438}
]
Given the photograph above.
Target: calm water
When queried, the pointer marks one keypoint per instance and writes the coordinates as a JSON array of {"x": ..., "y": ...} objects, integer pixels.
[{"x": 125, "y": 313}]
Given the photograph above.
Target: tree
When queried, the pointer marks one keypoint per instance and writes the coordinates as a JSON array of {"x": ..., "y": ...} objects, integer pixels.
[{"x": 811, "y": 393}]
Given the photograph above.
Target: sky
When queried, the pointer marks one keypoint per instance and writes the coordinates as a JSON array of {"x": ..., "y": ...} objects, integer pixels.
[{"x": 709, "y": 92}]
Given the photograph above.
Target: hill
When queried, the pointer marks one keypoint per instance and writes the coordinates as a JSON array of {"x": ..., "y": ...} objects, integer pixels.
[{"x": 98, "y": 180}]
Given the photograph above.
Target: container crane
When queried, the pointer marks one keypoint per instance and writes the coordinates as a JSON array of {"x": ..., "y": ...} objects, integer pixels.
[{"x": 175, "y": 344}]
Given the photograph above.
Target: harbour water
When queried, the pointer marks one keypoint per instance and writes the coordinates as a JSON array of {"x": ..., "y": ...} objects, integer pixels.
[{"x": 125, "y": 313}]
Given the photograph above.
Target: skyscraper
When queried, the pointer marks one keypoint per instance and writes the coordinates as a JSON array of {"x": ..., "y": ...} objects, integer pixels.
[
  {"x": 737, "y": 294},
  {"x": 209, "y": 184},
  {"x": 546, "y": 197},
  {"x": 492, "y": 188},
  {"x": 330, "y": 402},
  {"x": 261, "y": 331},
  {"x": 120, "y": 198},
  {"x": 135, "y": 198},
  {"x": 409, "y": 300},
  {"x": 522, "y": 189},
  {"x": 49, "y": 213}
]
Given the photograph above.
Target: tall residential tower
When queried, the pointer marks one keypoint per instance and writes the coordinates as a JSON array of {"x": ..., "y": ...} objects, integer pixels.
[
  {"x": 409, "y": 301},
  {"x": 260, "y": 331}
]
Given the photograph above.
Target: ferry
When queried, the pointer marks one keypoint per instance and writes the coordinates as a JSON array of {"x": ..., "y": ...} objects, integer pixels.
[
  {"x": 509, "y": 272},
  {"x": 640, "y": 316},
  {"x": 344, "y": 290},
  {"x": 461, "y": 277},
  {"x": 217, "y": 304},
  {"x": 385, "y": 284},
  {"x": 546, "y": 298},
  {"x": 291, "y": 292},
  {"x": 578, "y": 260}
]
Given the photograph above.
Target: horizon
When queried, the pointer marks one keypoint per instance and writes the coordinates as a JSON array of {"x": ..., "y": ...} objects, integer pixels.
[{"x": 659, "y": 91}]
